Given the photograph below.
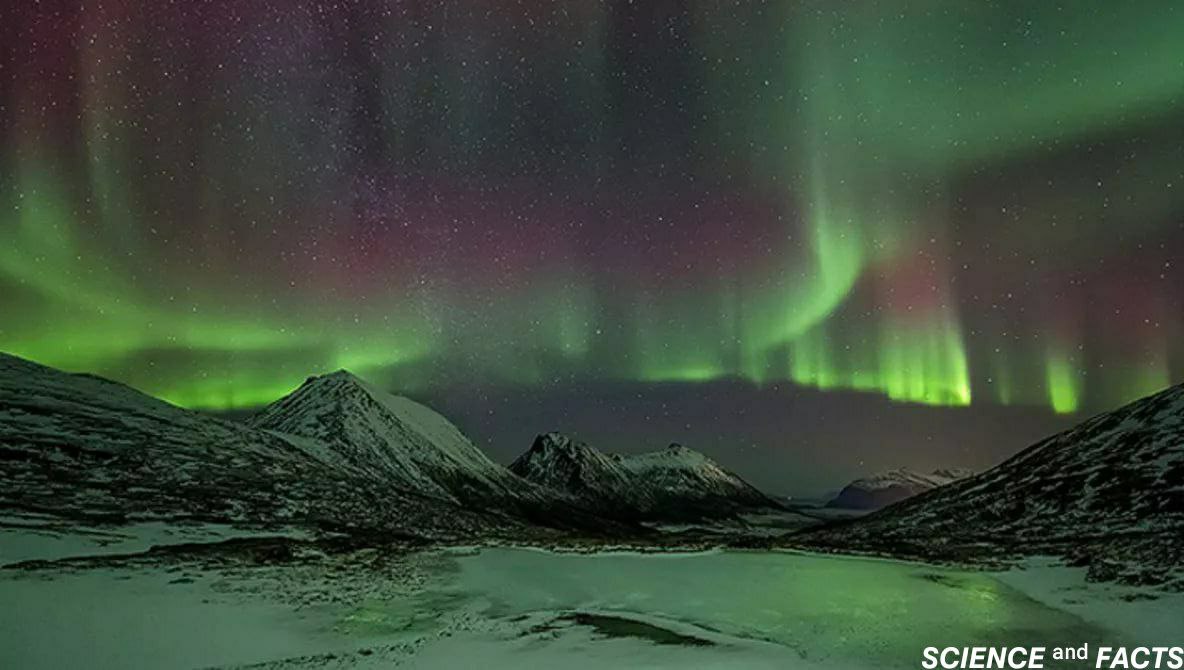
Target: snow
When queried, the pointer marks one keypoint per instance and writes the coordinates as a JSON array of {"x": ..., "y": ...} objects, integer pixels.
[
  {"x": 438, "y": 430},
  {"x": 771, "y": 524},
  {"x": 675, "y": 456},
  {"x": 26, "y": 539},
  {"x": 909, "y": 478},
  {"x": 512, "y": 608},
  {"x": 117, "y": 619},
  {"x": 1147, "y": 616}
]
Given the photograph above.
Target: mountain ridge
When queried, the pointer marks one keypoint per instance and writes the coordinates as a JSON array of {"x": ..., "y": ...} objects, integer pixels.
[
  {"x": 89, "y": 450},
  {"x": 891, "y": 486},
  {"x": 641, "y": 486}
]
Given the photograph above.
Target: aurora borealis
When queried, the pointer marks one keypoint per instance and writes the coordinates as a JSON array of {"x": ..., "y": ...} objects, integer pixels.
[{"x": 944, "y": 203}]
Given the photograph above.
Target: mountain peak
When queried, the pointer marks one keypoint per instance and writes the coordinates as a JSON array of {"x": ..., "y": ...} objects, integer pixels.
[
  {"x": 344, "y": 375},
  {"x": 339, "y": 373},
  {"x": 551, "y": 440},
  {"x": 555, "y": 441},
  {"x": 674, "y": 455},
  {"x": 338, "y": 378},
  {"x": 384, "y": 436}
]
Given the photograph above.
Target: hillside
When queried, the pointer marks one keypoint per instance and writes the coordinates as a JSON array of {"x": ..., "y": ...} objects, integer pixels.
[{"x": 1108, "y": 494}]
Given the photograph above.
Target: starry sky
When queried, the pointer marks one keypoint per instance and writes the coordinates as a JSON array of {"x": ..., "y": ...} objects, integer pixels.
[{"x": 947, "y": 224}]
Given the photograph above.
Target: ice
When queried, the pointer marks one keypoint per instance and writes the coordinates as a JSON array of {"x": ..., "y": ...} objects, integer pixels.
[{"x": 840, "y": 611}]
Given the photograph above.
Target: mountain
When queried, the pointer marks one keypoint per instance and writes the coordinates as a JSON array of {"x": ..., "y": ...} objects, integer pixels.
[
  {"x": 676, "y": 483},
  {"x": 355, "y": 427},
  {"x": 81, "y": 449},
  {"x": 560, "y": 463},
  {"x": 677, "y": 471},
  {"x": 1107, "y": 494},
  {"x": 885, "y": 488}
]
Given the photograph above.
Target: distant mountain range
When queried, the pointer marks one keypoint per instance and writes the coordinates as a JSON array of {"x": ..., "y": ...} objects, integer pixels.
[
  {"x": 885, "y": 488},
  {"x": 675, "y": 483},
  {"x": 336, "y": 454},
  {"x": 1108, "y": 494}
]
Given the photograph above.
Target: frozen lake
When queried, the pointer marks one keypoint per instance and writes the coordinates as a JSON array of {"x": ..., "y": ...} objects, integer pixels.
[
  {"x": 835, "y": 611},
  {"x": 526, "y": 608}
]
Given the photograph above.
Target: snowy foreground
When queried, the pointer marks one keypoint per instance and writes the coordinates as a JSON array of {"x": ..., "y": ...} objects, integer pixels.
[{"x": 514, "y": 608}]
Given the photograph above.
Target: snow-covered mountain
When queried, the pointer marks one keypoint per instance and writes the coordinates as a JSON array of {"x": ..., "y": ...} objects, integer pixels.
[
  {"x": 674, "y": 483},
  {"x": 556, "y": 461},
  {"x": 1108, "y": 493},
  {"x": 85, "y": 449},
  {"x": 885, "y": 488},
  {"x": 679, "y": 471},
  {"x": 347, "y": 423}
]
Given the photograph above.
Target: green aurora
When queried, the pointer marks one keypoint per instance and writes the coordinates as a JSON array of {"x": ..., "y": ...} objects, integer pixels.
[{"x": 942, "y": 204}]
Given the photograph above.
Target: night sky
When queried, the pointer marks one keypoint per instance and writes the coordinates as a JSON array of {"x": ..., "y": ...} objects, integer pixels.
[{"x": 811, "y": 237}]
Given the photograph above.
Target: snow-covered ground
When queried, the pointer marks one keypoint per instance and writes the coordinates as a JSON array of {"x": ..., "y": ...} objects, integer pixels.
[
  {"x": 136, "y": 619},
  {"x": 518, "y": 608},
  {"x": 1144, "y": 615},
  {"x": 32, "y": 537}
]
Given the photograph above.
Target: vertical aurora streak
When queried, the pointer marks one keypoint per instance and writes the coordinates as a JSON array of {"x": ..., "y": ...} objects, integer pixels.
[{"x": 1063, "y": 385}]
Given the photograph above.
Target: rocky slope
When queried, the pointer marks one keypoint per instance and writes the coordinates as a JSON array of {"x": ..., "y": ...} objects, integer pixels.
[
  {"x": 1108, "y": 493},
  {"x": 673, "y": 484},
  {"x": 886, "y": 488}
]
